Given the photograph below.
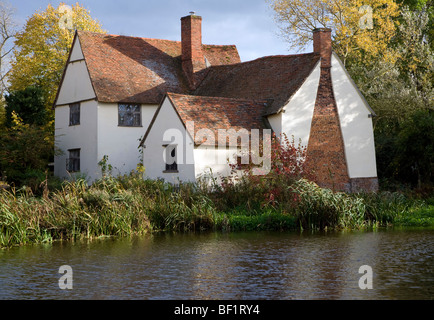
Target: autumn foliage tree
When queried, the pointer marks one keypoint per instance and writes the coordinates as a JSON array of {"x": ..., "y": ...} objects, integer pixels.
[
  {"x": 353, "y": 35},
  {"x": 41, "y": 48}
]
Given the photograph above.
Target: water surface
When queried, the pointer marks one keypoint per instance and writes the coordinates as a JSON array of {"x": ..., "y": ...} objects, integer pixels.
[{"x": 242, "y": 266}]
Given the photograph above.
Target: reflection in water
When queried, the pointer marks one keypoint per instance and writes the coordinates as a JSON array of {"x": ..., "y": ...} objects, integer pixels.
[{"x": 226, "y": 266}]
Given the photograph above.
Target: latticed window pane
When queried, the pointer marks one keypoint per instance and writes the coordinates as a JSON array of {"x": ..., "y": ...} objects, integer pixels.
[
  {"x": 130, "y": 115},
  {"x": 73, "y": 162},
  {"x": 74, "y": 114}
]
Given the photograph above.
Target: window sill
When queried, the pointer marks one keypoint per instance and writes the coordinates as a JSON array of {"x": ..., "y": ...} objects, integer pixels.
[
  {"x": 170, "y": 171},
  {"x": 119, "y": 125}
]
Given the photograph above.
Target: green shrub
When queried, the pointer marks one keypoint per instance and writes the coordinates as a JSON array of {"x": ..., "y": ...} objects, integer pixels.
[{"x": 318, "y": 208}]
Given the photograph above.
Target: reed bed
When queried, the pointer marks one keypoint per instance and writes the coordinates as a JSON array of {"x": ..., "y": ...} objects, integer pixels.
[{"x": 130, "y": 205}]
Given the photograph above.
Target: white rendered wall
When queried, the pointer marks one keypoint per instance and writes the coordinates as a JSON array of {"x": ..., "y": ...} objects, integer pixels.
[
  {"x": 76, "y": 52},
  {"x": 121, "y": 144},
  {"x": 153, "y": 153},
  {"x": 83, "y": 137},
  {"x": 298, "y": 113},
  {"x": 356, "y": 125},
  {"x": 76, "y": 85},
  {"x": 210, "y": 160},
  {"x": 275, "y": 122}
]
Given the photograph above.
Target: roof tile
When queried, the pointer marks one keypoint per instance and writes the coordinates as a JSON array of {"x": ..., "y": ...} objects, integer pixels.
[
  {"x": 275, "y": 77},
  {"x": 217, "y": 113},
  {"x": 140, "y": 70}
]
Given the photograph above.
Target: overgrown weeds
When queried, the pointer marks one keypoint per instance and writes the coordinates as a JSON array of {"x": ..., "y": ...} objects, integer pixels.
[{"x": 129, "y": 205}]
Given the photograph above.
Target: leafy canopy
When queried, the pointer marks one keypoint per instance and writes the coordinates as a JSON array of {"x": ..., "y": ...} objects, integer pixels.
[
  {"x": 354, "y": 37},
  {"x": 42, "y": 47},
  {"x": 28, "y": 104}
]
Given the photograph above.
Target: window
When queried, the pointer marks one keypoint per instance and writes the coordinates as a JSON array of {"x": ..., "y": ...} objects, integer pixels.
[
  {"x": 129, "y": 115},
  {"x": 73, "y": 162},
  {"x": 74, "y": 114},
  {"x": 171, "y": 165}
]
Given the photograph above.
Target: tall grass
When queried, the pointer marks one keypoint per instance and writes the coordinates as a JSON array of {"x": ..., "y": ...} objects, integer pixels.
[
  {"x": 321, "y": 208},
  {"x": 130, "y": 205},
  {"x": 75, "y": 211}
]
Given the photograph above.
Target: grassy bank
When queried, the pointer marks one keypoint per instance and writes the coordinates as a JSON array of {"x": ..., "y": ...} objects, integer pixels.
[{"x": 130, "y": 205}]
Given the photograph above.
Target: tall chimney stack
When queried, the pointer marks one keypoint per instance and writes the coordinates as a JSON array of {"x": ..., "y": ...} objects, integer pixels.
[
  {"x": 326, "y": 156},
  {"x": 322, "y": 44},
  {"x": 193, "y": 59}
]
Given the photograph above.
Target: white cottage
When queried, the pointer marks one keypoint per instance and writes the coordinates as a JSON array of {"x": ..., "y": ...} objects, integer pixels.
[{"x": 118, "y": 92}]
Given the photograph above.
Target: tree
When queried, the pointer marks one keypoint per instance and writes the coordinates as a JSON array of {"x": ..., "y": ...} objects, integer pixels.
[
  {"x": 7, "y": 33},
  {"x": 415, "y": 149},
  {"x": 354, "y": 37},
  {"x": 402, "y": 95},
  {"x": 28, "y": 104},
  {"x": 24, "y": 153},
  {"x": 416, "y": 59},
  {"x": 42, "y": 48},
  {"x": 420, "y": 6}
]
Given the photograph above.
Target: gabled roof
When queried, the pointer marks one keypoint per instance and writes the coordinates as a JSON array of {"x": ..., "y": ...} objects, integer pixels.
[
  {"x": 215, "y": 113},
  {"x": 274, "y": 78},
  {"x": 140, "y": 70}
]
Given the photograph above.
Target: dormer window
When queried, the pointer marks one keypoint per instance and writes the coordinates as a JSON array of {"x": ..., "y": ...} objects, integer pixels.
[{"x": 129, "y": 115}]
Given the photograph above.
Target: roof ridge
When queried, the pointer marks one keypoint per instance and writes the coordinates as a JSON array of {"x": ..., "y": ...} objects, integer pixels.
[
  {"x": 218, "y": 98},
  {"x": 153, "y": 39},
  {"x": 122, "y": 35},
  {"x": 244, "y": 63},
  {"x": 268, "y": 57}
]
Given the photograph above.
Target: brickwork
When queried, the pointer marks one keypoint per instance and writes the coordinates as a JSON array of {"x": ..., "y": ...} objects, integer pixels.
[
  {"x": 364, "y": 184},
  {"x": 193, "y": 59},
  {"x": 322, "y": 44},
  {"x": 325, "y": 151}
]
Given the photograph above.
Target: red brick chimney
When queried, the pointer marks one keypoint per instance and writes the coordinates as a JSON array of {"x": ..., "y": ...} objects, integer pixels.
[
  {"x": 193, "y": 59},
  {"x": 326, "y": 157},
  {"x": 322, "y": 44}
]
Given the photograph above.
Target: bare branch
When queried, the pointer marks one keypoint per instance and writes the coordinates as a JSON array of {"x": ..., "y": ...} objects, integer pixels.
[{"x": 8, "y": 30}]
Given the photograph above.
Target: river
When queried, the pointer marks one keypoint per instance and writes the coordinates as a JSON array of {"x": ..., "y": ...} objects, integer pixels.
[{"x": 229, "y": 266}]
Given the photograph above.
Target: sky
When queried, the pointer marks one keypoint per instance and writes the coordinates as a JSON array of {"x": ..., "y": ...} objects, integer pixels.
[{"x": 249, "y": 24}]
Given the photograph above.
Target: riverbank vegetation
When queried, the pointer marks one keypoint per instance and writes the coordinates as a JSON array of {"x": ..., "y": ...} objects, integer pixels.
[{"x": 130, "y": 205}]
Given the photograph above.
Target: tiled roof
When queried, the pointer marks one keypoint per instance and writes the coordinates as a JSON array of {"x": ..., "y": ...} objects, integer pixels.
[
  {"x": 216, "y": 113},
  {"x": 140, "y": 70},
  {"x": 273, "y": 77}
]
